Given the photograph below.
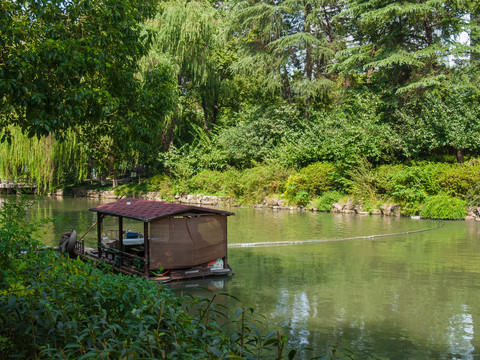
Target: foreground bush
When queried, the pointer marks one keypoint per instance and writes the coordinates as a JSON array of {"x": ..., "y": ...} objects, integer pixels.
[{"x": 52, "y": 307}]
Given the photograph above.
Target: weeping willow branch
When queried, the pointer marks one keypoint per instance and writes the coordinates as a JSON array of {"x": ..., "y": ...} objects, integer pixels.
[{"x": 45, "y": 161}]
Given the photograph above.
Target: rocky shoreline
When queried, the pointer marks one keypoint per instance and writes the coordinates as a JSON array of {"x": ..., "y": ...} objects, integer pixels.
[{"x": 349, "y": 207}]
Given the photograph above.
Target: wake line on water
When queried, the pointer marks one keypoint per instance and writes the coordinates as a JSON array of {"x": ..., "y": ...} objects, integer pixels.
[{"x": 302, "y": 242}]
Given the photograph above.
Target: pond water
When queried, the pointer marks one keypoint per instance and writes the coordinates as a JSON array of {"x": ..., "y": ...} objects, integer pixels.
[{"x": 413, "y": 296}]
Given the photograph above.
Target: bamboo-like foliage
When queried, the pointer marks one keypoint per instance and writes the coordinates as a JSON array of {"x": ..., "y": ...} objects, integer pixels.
[{"x": 45, "y": 161}]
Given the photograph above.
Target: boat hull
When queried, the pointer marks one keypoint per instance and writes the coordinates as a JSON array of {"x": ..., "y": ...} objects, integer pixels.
[{"x": 133, "y": 267}]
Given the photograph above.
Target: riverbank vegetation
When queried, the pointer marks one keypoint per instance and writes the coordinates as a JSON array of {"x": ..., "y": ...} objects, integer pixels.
[
  {"x": 439, "y": 190},
  {"x": 53, "y": 307},
  {"x": 308, "y": 102}
]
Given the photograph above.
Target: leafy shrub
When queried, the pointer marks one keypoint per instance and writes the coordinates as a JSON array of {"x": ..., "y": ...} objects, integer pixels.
[
  {"x": 249, "y": 186},
  {"x": 261, "y": 181},
  {"x": 441, "y": 123},
  {"x": 442, "y": 206},
  {"x": 180, "y": 163},
  {"x": 258, "y": 131},
  {"x": 364, "y": 181},
  {"x": 411, "y": 183},
  {"x": 213, "y": 182},
  {"x": 16, "y": 237},
  {"x": 310, "y": 181},
  {"x": 325, "y": 201},
  {"x": 416, "y": 182},
  {"x": 409, "y": 186},
  {"x": 473, "y": 195},
  {"x": 342, "y": 136},
  {"x": 131, "y": 190},
  {"x": 459, "y": 179}
]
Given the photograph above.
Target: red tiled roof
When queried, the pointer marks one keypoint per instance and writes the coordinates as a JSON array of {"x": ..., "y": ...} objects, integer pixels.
[{"x": 147, "y": 210}]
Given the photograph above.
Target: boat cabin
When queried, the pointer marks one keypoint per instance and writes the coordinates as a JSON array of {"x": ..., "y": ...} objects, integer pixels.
[{"x": 178, "y": 241}]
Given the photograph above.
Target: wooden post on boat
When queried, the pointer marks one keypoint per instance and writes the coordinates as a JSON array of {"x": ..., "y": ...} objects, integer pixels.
[
  {"x": 225, "y": 262},
  {"x": 146, "y": 248},
  {"x": 120, "y": 232},
  {"x": 99, "y": 234}
]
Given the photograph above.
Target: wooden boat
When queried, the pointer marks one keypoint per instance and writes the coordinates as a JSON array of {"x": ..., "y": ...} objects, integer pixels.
[{"x": 178, "y": 241}]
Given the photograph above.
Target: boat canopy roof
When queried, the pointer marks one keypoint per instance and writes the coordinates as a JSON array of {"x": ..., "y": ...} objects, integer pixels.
[{"x": 148, "y": 210}]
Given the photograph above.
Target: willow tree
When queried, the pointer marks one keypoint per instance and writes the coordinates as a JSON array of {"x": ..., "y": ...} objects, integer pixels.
[
  {"x": 44, "y": 161},
  {"x": 187, "y": 35},
  {"x": 73, "y": 66}
]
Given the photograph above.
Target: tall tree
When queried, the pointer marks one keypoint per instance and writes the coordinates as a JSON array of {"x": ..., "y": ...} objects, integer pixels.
[
  {"x": 261, "y": 23},
  {"x": 290, "y": 44},
  {"x": 72, "y": 65},
  {"x": 187, "y": 35},
  {"x": 313, "y": 43},
  {"x": 405, "y": 44}
]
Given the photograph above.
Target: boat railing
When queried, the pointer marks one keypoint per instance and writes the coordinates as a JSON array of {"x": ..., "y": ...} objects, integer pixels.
[
  {"x": 126, "y": 262},
  {"x": 112, "y": 234},
  {"x": 80, "y": 247}
]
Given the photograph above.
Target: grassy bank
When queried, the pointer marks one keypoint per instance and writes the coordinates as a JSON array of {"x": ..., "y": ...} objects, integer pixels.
[{"x": 430, "y": 189}]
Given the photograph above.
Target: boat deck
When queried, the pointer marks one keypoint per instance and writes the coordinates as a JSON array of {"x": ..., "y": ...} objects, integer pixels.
[{"x": 130, "y": 264}]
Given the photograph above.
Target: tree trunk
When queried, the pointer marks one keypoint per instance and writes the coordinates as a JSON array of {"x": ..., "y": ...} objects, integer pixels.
[
  {"x": 215, "y": 109},
  {"x": 308, "y": 59},
  {"x": 460, "y": 156},
  {"x": 205, "y": 114},
  {"x": 169, "y": 130},
  {"x": 215, "y": 115},
  {"x": 111, "y": 160},
  {"x": 286, "y": 87}
]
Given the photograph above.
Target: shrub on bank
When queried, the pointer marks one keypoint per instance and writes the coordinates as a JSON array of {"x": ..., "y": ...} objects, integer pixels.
[
  {"x": 248, "y": 186},
  {"x": 442, "y": 206},
  {"x": 459, "y": 179},
  {"x": 309, "y": 182},
  {"x": 212, "y": 182},
  {"x": 326, "y": 200},
  {"x": 407, "y": 185},
  {"x": 259, "y": 182}
]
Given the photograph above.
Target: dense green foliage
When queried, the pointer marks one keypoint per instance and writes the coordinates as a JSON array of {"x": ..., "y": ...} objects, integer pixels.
[
  {"x": 444, "y": 207},
  {"x": 53, "y": 307},
  {"x": 322, "y": 184},
  {"x": 73, "y": 66},
  {"x": 210, "y": 94},
  {"x": 324, "y": 202},
  {"x": 310, "y": 181},
  {"x": 46, "y": 161}
]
